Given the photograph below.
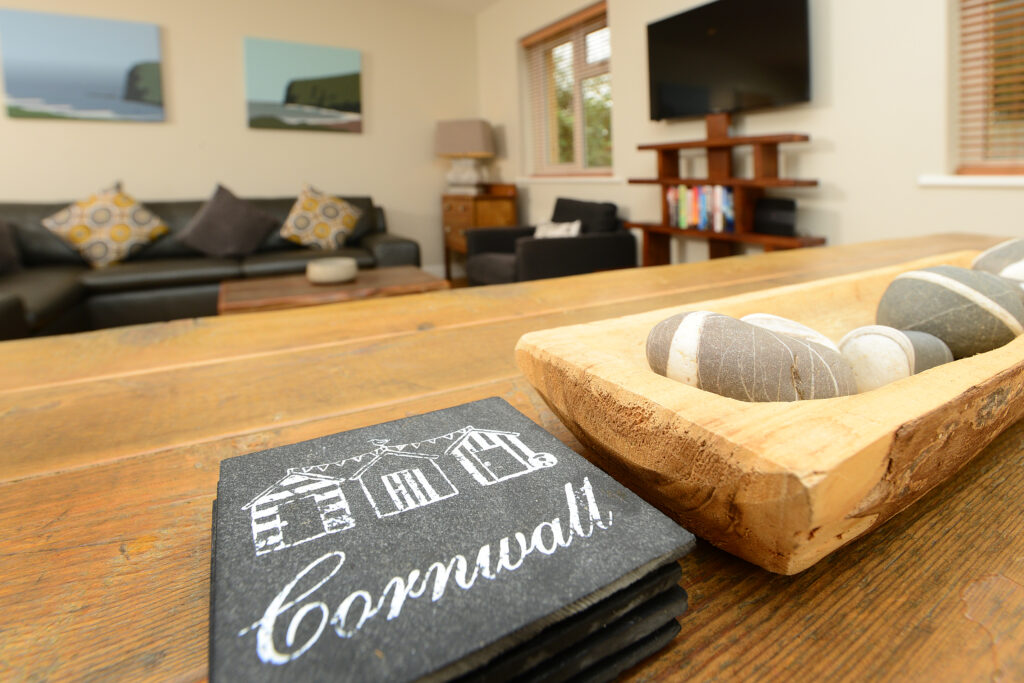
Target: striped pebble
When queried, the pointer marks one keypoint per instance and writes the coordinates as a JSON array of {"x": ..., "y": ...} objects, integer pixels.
[
  {"x": 1006, "y": 259},
  {"x": 790, "y": 328},
  {"x": 738, "y": 360},
  {"x": 970, "y": 310},
  {"x": 879, "y": 355}
]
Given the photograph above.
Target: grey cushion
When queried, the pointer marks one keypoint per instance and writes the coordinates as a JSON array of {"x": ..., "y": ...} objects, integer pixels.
[
  {"x": 227, "y": 226},
  {"x": 491, "y": 268},
  {"x": 39, "y": 246},
  {"x": 595, "y": 216},
  {"x": 291, "y": 262},
  {"x": 157, "y": 273},
  {"x": 10, "y": 257},
  {"x": 45, "y": 291}
]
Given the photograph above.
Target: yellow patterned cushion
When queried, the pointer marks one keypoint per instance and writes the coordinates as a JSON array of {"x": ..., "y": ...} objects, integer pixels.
[
  {"x": 319, "y": 220},
  {"x": 106, "y": 227}
]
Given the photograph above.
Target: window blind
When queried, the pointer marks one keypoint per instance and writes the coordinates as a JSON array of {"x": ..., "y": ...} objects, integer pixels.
[
  {"x": 991, "y": 112},
  {"x": 570, "y": 94}
]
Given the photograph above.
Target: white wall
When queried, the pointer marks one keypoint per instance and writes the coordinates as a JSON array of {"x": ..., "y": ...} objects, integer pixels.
[
  {"x": 418, "y": 67},
  {"x": 879, "y": 118}
]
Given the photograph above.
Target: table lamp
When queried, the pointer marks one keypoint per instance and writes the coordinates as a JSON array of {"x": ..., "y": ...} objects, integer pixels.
[{"x": 465, "y": 142}]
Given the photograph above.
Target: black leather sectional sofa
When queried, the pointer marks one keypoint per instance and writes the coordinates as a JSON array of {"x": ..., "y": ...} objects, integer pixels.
[{"x": 54, "y": 291}]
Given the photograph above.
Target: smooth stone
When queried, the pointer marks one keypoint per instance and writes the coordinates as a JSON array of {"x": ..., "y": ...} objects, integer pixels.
[
  {"x": 1005, "y": 259},
  {"x": 790, "y": 328},
  {"x": 970, "y": 310},
  {"x": 735, "y": 359},
  {"x": 879, "y": 355},
  {"x": 331, "y": 270}
]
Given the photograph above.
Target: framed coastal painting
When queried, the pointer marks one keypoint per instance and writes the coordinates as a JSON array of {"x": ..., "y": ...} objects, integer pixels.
[
  {"x": 59, "y": 66},
  {"x": 302, "y": 87}
]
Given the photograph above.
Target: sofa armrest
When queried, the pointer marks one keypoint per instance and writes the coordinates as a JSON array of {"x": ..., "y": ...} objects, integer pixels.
[
  {"x": 556, "y": 257},
  {"x": 380, "y": 220},
  {"x": 13, "y": 324},
  {"x": 491, "y": 240},
  {"x": 391, "y": 250}
]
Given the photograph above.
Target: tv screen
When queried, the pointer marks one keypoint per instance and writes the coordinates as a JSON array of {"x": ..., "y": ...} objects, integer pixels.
[{"x": 727, "y": 56}]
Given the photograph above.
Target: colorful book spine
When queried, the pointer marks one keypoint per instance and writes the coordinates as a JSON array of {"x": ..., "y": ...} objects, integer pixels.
[
  {"x": 672, "y": 196},
  {"x": 717, "y": 216},
  {"x": 729, "y": 210},
  {"x": 684, "y": 206}
]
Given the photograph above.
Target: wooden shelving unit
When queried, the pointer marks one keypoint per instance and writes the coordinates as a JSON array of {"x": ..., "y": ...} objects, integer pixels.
[{"x": 746, "y": 191}]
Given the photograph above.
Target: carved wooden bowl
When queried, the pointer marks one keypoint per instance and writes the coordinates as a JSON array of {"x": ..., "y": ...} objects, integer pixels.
[{"x": 779, "y": 484}]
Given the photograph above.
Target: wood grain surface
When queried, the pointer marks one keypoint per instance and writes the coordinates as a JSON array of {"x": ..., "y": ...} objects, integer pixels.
[
  {"x": 112, "y": 442},
  {"x": 292, "y": 291}
]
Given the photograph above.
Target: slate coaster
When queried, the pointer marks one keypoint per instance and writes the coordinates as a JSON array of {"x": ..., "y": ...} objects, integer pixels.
[
  {"x": 610, "y": 667},
  {"x": 566, "y": 634},
  {"x": 617, "y": 637},
  {"x": 419, "y": 548}
]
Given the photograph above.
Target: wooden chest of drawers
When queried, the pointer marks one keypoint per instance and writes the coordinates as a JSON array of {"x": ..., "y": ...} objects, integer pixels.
[{"x": 495, "y": 207}]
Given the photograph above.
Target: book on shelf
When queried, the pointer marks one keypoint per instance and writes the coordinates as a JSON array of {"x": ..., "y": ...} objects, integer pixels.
[
  {"x": 464, "y": 543},
  {"x": 672, "y": 195},
  {"x": 701, "y": 207}
]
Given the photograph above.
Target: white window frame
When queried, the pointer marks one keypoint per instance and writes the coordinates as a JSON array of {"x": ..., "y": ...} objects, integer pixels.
[{"x": 538, "y": 47}]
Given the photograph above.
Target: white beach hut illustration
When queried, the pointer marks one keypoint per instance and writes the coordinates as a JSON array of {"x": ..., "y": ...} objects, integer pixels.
[
  {"x": 399, "y": 478},
  {"x": 309, "y": 502},
  {"x": 492, "y": 455},
  {"x": 302, "y": 505}
]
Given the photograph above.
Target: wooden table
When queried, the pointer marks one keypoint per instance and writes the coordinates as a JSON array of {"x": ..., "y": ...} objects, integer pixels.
[
  {"x": 112, "y": 441},
  {"x": 292, "y": 291}
]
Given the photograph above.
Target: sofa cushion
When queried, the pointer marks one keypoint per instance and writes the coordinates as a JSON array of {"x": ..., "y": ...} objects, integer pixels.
[
  {"x": 112, "y": 309},
  {"x": 291, "y": 262},
  {"x": 38, "y": 246},
  {"x": 491, "y": 268},
  {"x": 12, "y": 317},
  {"x": 10, "y": 257},
  {"x": 45, "y": 291},
  {"x": 319, "y": 220},
  {"x": 552, "y": 230},
  {"x": 596, "y": 216},
  {"x": 157, "y": 273},
  {"x": 227, "y": 226},
  {"x": 106, "y": 227}
]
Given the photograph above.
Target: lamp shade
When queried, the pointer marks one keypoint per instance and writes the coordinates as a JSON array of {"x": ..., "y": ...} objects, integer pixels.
[{"x": 464, "y": 138}]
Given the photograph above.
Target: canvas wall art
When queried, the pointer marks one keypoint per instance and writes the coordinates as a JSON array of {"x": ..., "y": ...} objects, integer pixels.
[
  {"x": 302, "y": 87},
  {"x": 71, "y": 67}
]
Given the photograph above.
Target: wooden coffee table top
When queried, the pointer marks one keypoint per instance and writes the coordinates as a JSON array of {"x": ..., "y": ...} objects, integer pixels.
[
  {"x": 291, "y": 291},
  {"x": 111, "y": 442}
]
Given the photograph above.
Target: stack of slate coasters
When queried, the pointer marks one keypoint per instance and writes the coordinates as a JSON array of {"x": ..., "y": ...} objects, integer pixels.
[{"x": 466, "y": 543}]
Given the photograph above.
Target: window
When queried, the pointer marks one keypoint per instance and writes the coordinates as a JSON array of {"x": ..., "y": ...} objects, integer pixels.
[
  {"x": 991, "y": 131},
  {"x": 571, "y": 94}
]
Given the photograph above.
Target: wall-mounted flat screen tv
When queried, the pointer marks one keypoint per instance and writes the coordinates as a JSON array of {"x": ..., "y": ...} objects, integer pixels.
[{"x": 728, "y": 56}]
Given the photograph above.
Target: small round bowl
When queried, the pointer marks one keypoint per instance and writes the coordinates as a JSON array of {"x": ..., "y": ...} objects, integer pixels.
[{"x": 331, "y": 270}]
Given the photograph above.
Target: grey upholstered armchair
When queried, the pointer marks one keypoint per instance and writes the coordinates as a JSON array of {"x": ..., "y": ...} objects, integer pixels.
[{"x": 498, "y": 255}]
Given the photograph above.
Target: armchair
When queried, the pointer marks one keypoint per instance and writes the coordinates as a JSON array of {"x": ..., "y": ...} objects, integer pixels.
[{"x": 499, "y": 255}]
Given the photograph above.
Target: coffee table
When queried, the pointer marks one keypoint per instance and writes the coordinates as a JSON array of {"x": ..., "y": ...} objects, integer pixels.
[{"x": 292, "y": 291}]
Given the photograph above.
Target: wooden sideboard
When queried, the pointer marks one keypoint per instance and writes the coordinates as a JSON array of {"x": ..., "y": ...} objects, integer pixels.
[{"x": 494, "y": 207}]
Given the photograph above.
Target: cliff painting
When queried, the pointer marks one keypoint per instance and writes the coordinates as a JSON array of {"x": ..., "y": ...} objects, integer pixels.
[
  {"x": 296, "y": 86},
  {"x": 59, "y": 66}
]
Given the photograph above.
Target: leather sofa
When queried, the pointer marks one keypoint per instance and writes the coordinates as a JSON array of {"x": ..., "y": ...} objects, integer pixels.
[{"x": 55, "y": 292}]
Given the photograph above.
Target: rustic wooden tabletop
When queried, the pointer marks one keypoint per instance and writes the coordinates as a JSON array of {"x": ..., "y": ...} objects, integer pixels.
[{"x": 112, "y": 440}]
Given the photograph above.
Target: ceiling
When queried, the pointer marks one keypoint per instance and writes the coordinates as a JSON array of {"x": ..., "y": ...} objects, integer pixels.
[{"x": 467, "y": 6}]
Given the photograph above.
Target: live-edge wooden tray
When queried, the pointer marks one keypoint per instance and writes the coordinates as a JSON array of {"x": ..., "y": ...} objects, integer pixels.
[{"x": 779, "y": 484}]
